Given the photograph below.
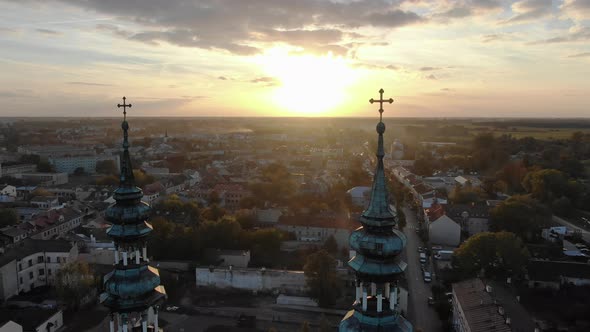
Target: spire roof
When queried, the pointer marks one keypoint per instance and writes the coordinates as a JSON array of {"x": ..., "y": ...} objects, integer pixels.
[
  {"x": 378, "y": 213},
  {"x": 126, "y": 179}
]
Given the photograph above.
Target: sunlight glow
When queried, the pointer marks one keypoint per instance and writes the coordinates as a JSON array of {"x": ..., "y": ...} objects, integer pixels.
[{"x": 308, "y": 85}]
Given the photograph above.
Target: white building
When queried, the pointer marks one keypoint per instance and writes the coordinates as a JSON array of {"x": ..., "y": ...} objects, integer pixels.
[
  {"x": 44, "y": 179},
  {"x": 444, "y": 231},
  {"x": 87, "y": 163},
  {"x": 261, "y": 280},
  {"x": 32, "y": 264},
  {"x": 14, "y": 169},
  {"x": 7, "y": 193}
]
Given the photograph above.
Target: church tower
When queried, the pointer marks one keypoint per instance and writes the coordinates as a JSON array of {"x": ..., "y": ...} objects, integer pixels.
[
  {"x": 132, "y": 291},
  {"x": 377, "y": 264}
]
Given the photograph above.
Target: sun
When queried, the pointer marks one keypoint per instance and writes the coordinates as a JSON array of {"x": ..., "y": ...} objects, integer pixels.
[{"x": 308, "y": 85}]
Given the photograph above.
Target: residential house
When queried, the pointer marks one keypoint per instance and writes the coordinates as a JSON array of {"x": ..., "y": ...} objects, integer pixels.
[
  {"x": 13, "y": 234},
  {"x": 32, "y": 263},
  {"x": 442, "y": 230},
  {"x": 317, "y": 229},
  {"x": 45, "y": 202},
  {"x": 54, "y": 223},
  {"x": 474, "y": 308},
  {"x": 7, "y": 193},
  {"x": 473, "y": 218}
]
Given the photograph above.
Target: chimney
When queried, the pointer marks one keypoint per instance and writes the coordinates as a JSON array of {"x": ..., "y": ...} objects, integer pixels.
[{"x": 488, "y": 288}]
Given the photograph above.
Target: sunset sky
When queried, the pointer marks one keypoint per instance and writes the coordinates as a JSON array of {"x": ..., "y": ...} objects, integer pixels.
[{"x": 464, "y": 58}]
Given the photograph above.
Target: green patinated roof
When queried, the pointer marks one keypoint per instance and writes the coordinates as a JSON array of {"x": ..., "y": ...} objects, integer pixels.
[
  {"x": 382, "y": 244},
  {"x": 370, "y": 268},
  {"x": 131, "y": 231},
  {"x": 379, "y": 213},
  {"x": 378, "y": 246},
  {"x": 133, "y": 287},
  {"x": 356, "y": 321}
]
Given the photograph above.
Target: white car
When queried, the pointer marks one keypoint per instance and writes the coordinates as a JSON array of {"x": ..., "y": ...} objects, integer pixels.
[
  {"x": 427, "y": 276},
  {"x": 172, "y": 308}
]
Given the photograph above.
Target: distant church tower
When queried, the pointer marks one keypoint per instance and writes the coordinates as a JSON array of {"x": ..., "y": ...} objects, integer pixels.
[
  {"x": 132, "y": 291},
  {"x": 377, "y": 264}
]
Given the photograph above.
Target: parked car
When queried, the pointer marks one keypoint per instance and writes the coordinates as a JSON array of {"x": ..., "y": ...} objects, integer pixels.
[
  {"x": 420, "y": 249},
  {"x": 427, "y": 276},
  {"x": 431, "y": 301},
  {"x": 422, "y": 258},
  {"x": 437, "y": 248}
]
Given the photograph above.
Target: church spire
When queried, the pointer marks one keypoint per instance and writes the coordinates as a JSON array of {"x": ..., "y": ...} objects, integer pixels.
[
  {"x": 378, "y": 213},
  {"x": 376, "y": 263},
  {"x": 132, "y": 291},
  {"x": 126, "y": 178}
]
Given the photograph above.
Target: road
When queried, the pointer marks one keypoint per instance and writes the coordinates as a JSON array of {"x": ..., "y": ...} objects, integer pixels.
[
  {"x": 585, "y": 233},
  {"x": 419, "y": 312}
]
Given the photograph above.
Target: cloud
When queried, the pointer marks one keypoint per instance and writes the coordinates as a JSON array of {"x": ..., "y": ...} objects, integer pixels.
[
  {"x": 529, "y": 10},
  {"x": 245, "y": 27},
  {"x": 463, "y": 9},
  {"x": 580, "y": 55},
  {"x": 88, "y": 83},
  {"x": 429, "y": 68},
  {"x": 265, "y": 81},
  {"x": 48, "y": 32},
  {"x": 578, "y": 9},
  {"x": 431, "y": 77},
  {"x": 223, "y": 78},
  {"x": 5, "y": 30},
  {"x": 493, "y": 38},
  {"x": 575, "y": 35}
]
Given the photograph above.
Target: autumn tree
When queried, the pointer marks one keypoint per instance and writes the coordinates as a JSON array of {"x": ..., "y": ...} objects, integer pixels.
[
  {"x": 522, "y": 215},
  {"x": 107, "y": 167},
  {"x": 322, "y": 280},
  {"x": 73, "y": 282},
  {"x": 499, "y": 254}
]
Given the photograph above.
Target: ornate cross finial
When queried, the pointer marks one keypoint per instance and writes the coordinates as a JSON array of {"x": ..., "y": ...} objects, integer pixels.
[
  {"x": 124, "y": 108},
  {"x": 381, "y": 101}
]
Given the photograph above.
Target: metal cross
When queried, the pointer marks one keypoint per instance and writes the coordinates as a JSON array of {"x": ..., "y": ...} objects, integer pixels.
[
  {"x": 381, "y": 101},
  {"x": 124, "y": 108}
]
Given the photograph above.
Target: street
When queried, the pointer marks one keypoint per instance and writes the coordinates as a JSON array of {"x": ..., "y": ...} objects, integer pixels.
[{"x": 420, "y": 313}]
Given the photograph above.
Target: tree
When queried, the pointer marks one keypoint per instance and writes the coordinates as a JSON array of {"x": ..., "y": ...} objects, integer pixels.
[
  {"x": 322, "y": 280},
  {"x": 108, "y": 167},
  {"x": 522, "y": 215},
  {"x": 331, "y": 245},
  {"x": 546, "y": 184},
  {"x": 498, "y": 254},
  {"x": 324, "y": 324},
  {"x": 79, "y": 171},
  {"x": 401, "y": 218},
  {"x": 109, "y": 180},
  {"x": 8, "y": 217},
  {"x": 305, "y": 327},
  {"x": 142, "y": 178},
  {"x": 73, "y": 282},
  {"x": 41, "y": 192},
  {"x": 213, "y": 212}
]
